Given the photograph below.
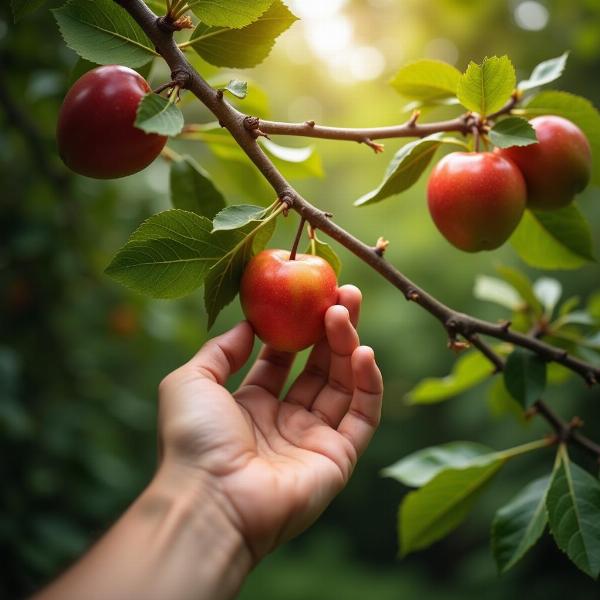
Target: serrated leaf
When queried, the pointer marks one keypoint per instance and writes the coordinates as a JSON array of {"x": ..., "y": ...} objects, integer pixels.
[
  {"x": 238, "y": 88},
  {"x": 573, "y": 503},
  {"x": 193, "y": 190},
  {"x": 406, "y": 167},
  {"x": 419, "y": 468},
  {"x": 525, "y": 376},
  {"x": 519, "y": 524},
  {"x": 426, "y": 80},
  {"x": 512, "y": 131},
  {"x": 546, "y": 72},
  {"x": 497, "y": 291},
  {"x": 549, "y": 291},
  {"x": 223, "y": 281},
  {"x": 245, "y": 47},
  {"x": 23, "y": 8},
  {"x": 229, "y": 13},
  {"x": 326, "y": 252},
  {"x": 168, "y": 256},
  {"x": 557, "y": 239},
  {"x": 102, "y": 32},
  {"x": 469, "y": 370},
  {"x": 487, "y": 87},
  {"x": 575, "y": 108},
  {"x": 156, "y": 114},
  {"x": 522, "y": 284},
  {"x": 238, "y": 215},
  {"x": 256, "y": 101}
]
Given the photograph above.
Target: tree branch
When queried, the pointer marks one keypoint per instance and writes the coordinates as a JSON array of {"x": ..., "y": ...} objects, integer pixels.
[
  {"x": 456, "y": 323},
  {"x": 565, "y": 432}
]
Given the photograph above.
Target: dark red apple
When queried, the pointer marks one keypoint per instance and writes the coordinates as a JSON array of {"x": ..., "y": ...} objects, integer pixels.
[
  {"x": 96, "y": 133},
  {"x": 476, "y": 199},
  {"x": 285, "y": 300},
  {"x": 557, "y": 167}
]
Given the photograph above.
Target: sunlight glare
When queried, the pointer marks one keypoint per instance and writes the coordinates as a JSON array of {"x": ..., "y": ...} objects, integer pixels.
[{"x": 316, "y": 9}]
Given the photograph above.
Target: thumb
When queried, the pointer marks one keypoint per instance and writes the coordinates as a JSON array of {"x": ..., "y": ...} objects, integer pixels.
[{"x": 225, "y": 354}]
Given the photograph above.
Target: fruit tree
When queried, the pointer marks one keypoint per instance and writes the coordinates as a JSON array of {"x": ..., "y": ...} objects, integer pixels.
[{"x": 515, "y": 157}]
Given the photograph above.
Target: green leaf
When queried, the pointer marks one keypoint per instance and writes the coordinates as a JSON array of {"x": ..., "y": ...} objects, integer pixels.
[
  {"x": 237, "y": 88},
  {"x": 575, "y": 108},
  {"x": 168, "y": 256},
  {"x": 557, "y": 239},
  {"x": 406, "y": 167},
  {"x": 549, "y": 291},
  {"x": 512, "y": 131},
  {"x": 525, "y": 376},
  {"x": 546, "y": 72},
  {"x": 497, "y": 291},
  {"x": 102, "y": 32},
  {"x": 487, "y": 87},
  {"x": 23, "y": 8},
  {"x": 229, "y": 13},
  {"x": 573, "y": 504},
  {"x": 502, "y": 404},
  {"x": 82, "y": 66},
  {"x": 294, "y": 162},
  {"x": 325, "y": 251},
  {"x": 156, "y": 114},
  {"x": 469, "y": 370},
  {"x": 192, "y": 189},
  {"x": 426, "y": 80},
  {"x": 519, "y": 525},
  {"x": 419, "y": 468},
  {"x": 242, "y": 48},
  {"x": 433, "y": 511},
  {"x": 223, "y": 281},
  {"x": 238, "y": 215},
  {"x": 522, "y": 284}
]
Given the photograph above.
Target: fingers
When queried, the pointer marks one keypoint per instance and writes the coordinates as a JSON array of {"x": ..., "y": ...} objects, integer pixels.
[
  {"x": 364, "y": 412},
  {"x": 333, "y": 399},
  {"x": 316, "y": 371},
  {"x": 270, "y": 370},
  {"x": 225, "y": 354}
]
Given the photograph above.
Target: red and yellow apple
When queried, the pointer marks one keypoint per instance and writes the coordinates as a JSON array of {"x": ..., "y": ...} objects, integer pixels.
[
  {"x": 285, "y": 300},
  {"x": 476, "y": 199},
  {"x": 557, "y": 167},
  {"x": 96, "y": 134}
]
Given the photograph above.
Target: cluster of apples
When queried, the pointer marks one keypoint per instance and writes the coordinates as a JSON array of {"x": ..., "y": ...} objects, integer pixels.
[{"x": 476, "y": 199}]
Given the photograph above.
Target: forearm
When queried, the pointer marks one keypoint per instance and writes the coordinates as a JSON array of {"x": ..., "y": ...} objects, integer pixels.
[{"x": 175, "y": 541}]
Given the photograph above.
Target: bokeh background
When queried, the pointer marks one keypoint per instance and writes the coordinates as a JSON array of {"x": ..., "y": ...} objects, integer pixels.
[{"x": 81, "y": 357}]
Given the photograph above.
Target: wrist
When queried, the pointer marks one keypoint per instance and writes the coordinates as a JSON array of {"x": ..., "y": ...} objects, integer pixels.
[{"x": 196, "y": 525}]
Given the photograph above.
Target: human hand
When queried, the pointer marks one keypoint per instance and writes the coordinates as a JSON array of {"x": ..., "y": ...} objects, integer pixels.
[{"x": 272, "y": 465}]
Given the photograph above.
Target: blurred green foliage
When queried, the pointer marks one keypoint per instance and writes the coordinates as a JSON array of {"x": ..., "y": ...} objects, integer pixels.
[{"x": 80, "y": 357}]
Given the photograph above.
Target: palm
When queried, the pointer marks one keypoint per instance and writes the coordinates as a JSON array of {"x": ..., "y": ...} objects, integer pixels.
[{"x": 278, "y": 463}]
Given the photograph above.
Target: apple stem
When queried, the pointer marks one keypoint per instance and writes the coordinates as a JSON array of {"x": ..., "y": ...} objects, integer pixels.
[
  {"x": 297, "y": 238},
  {"x": 476, "y": 138}
]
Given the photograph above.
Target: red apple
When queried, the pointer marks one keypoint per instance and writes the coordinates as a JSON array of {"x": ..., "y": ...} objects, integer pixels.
[
  {"x": 557, "y": 167},
  {"x": 285, "y": 300},
  {"x": 476, "y": 199},
  {"x": 96, "y": 133}
]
